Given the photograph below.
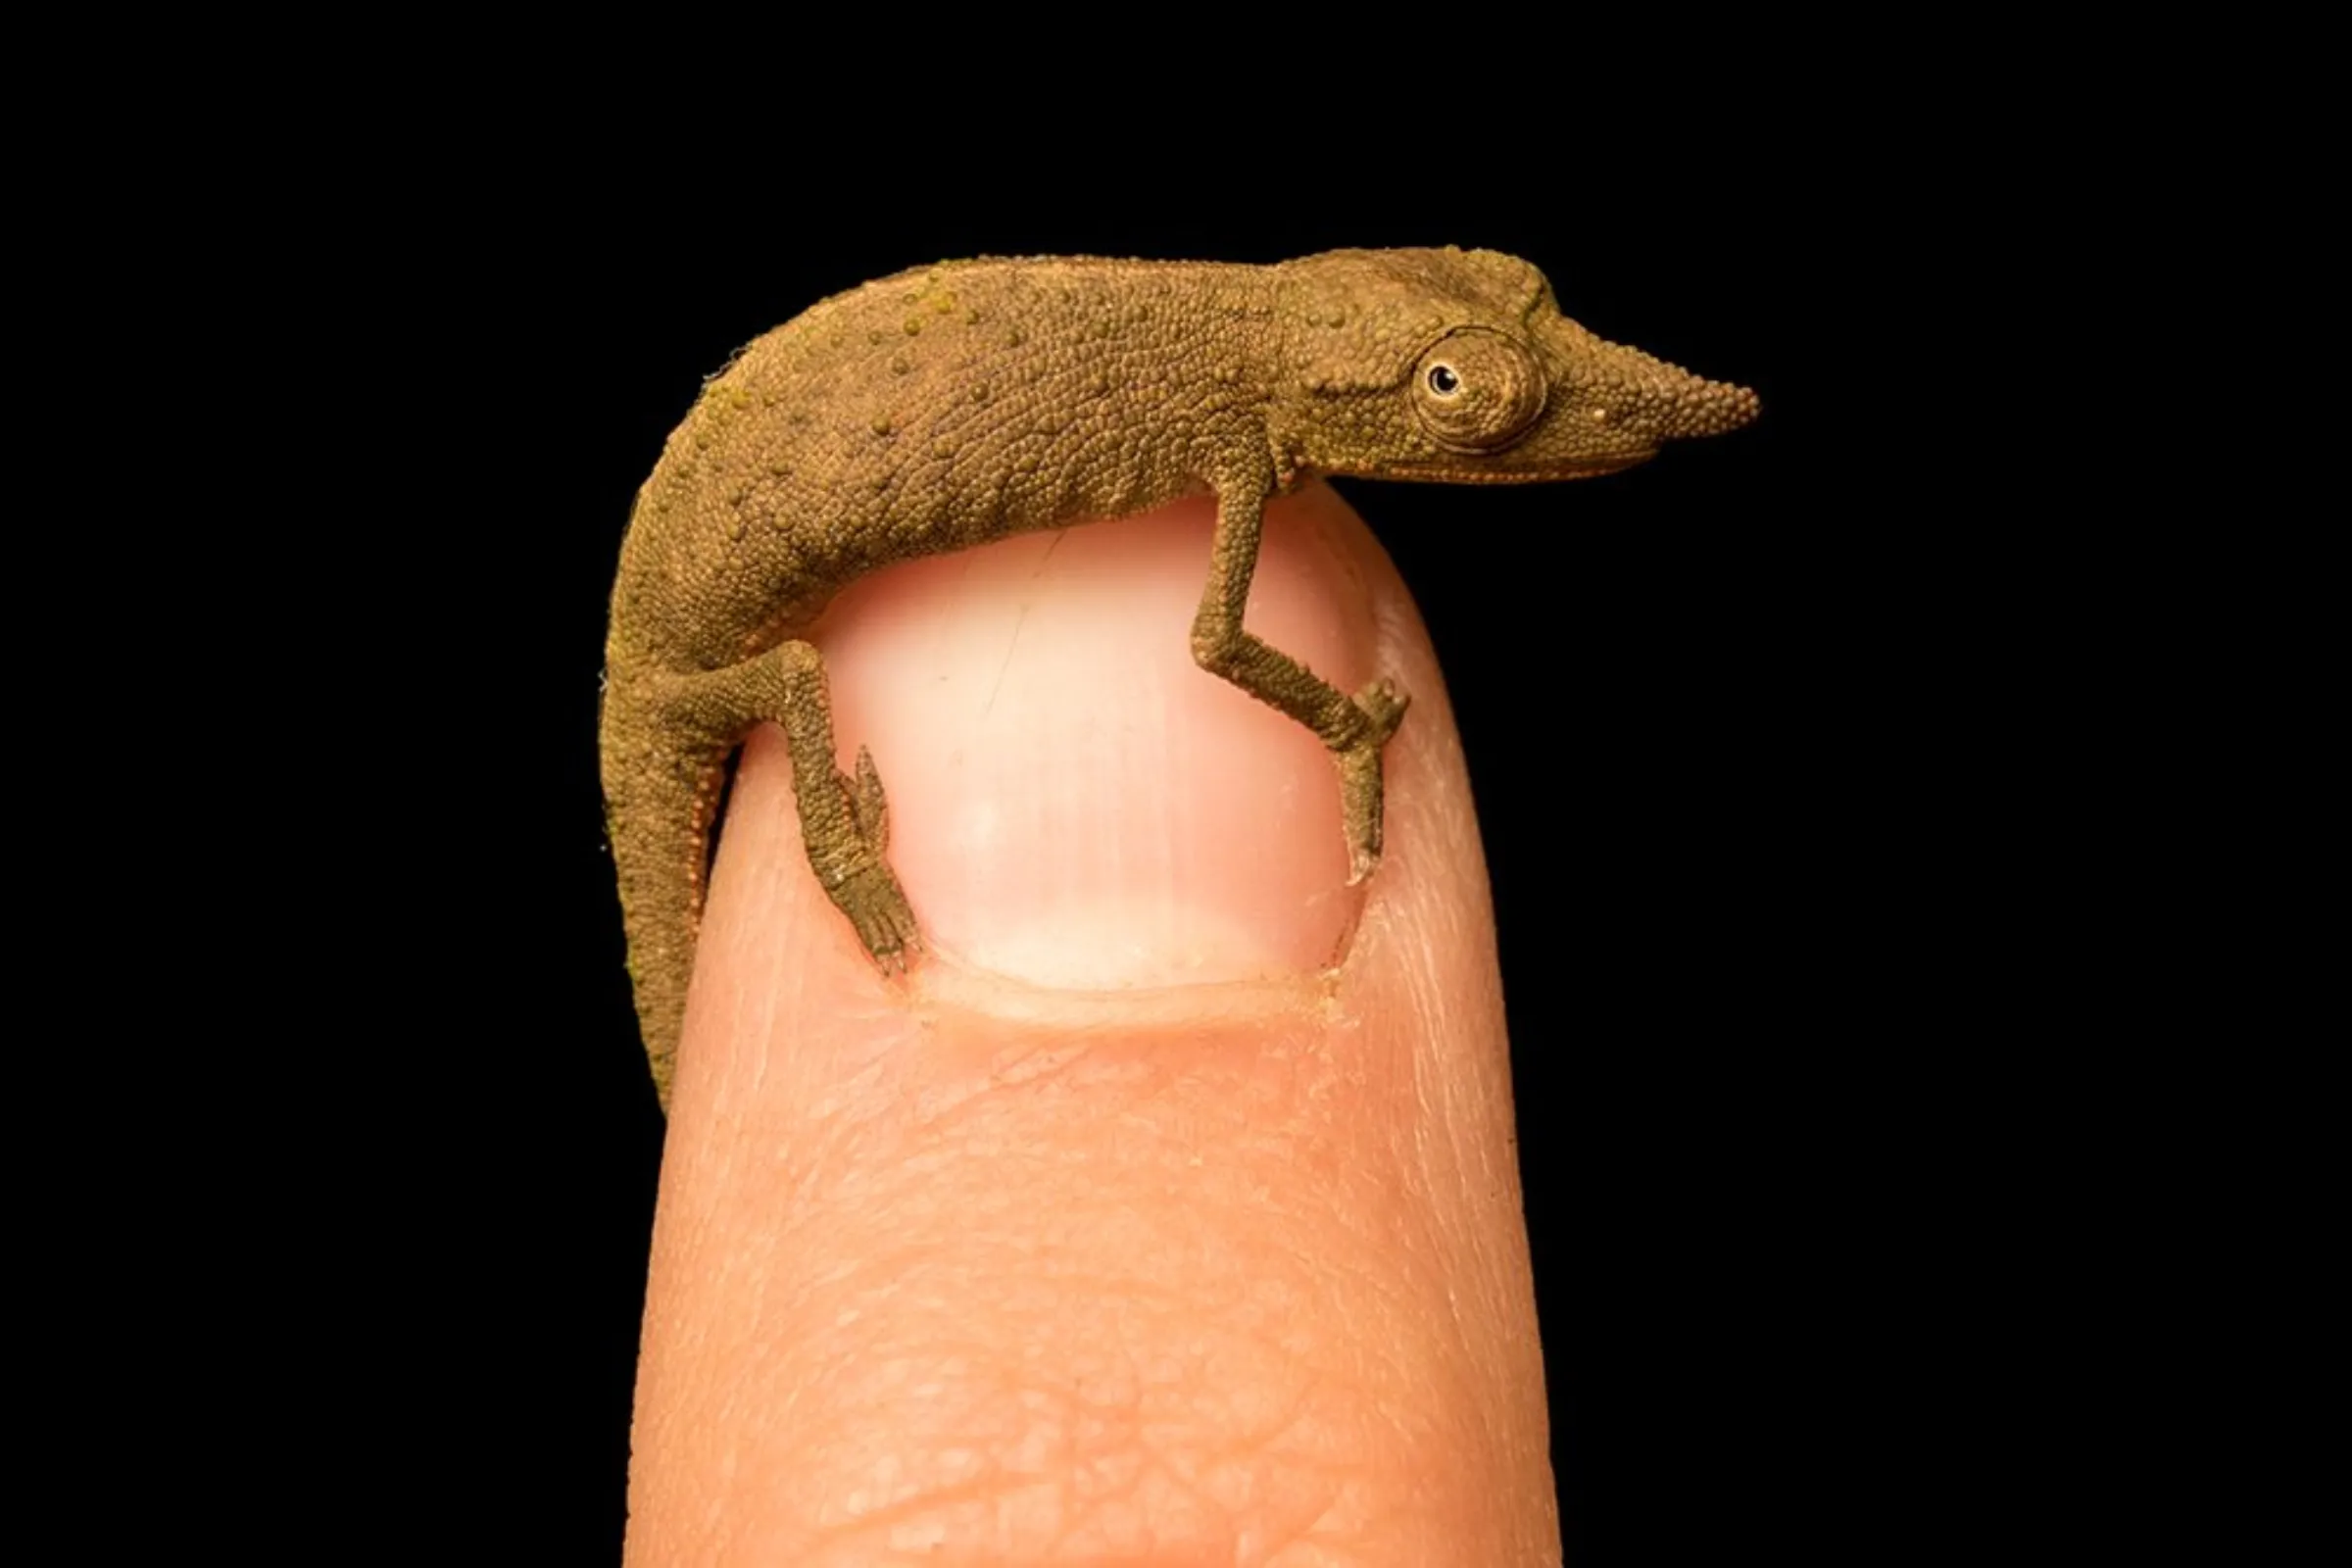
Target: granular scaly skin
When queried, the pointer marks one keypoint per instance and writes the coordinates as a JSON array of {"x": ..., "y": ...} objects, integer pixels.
[{"x": 947, "y": 407}]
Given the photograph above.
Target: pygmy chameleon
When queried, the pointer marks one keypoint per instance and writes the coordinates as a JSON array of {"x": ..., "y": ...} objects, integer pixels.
[{"x": 945, "y": 407}]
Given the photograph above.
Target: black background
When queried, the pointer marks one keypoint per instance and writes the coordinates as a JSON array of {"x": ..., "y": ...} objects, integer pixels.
[{"x": 1732, "y": 1023}]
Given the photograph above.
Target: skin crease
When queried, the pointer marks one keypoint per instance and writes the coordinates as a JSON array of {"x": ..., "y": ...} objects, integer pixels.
[{"x": 1112, "y": 1259}]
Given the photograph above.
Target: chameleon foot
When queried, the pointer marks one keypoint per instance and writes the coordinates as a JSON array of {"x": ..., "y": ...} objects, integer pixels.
[
  {"x": 871, "y": 897},
  {"x": 1383, "y": 707},
  {"x": 867, "y": 892}
]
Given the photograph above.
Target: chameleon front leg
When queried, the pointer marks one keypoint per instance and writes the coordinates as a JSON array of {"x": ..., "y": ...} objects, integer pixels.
[
  {"x": 1355, "y": 729},
  {"x": 667, "y": 739}
]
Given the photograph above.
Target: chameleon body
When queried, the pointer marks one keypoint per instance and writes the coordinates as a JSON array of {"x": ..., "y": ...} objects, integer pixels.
[{"x": 947, "y": 407}]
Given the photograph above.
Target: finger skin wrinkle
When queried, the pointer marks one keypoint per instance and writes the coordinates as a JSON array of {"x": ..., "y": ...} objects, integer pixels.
[{"x": 1149, "y": 1368}]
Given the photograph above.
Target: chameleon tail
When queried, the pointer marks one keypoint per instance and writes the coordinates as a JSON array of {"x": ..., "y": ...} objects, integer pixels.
[{"x": 660, "y": 799}]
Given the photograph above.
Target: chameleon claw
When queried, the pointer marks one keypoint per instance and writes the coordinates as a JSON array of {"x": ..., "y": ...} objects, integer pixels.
[
  {"x": 1383, "y": 706},
  {"x": 879, "y": 911}
]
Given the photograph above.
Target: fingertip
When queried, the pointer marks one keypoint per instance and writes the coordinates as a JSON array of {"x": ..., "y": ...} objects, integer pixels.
[{"x": 1269, "y": 1159}]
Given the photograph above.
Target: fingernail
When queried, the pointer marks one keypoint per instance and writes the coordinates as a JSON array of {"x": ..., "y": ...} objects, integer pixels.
[{"x": 1074, "y": 802}]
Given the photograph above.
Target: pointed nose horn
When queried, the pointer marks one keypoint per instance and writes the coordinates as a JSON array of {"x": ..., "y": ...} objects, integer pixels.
[{"x": 1667, "y": 403}]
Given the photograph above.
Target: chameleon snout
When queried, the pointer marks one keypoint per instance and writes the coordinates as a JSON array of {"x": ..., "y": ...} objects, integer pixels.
[{"x": 1647, "y": 397}]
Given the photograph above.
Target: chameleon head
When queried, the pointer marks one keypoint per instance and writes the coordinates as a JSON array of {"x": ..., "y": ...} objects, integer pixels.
[{"x": 1456, "y": 365}]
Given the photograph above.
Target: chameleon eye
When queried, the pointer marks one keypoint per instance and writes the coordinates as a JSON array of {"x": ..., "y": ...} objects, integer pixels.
[{"x": 1478, "y": 390}]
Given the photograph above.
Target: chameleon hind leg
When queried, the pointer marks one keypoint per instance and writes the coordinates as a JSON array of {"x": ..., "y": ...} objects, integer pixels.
[
  {"x": 667, "y": 742},
  {"x": 1355, "y": 729}
]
